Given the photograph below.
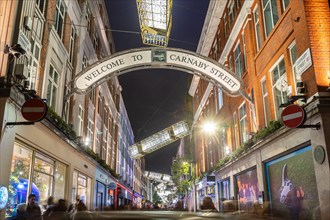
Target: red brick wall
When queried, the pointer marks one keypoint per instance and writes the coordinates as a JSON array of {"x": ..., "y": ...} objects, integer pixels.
[{"x": 318, "y": 25}]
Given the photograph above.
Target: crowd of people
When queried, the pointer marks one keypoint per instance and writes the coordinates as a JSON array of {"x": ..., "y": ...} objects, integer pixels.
[{"x": 52, "y": 211}]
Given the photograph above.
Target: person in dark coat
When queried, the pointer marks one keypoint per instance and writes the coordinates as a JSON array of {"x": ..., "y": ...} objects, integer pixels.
[
  {"x": 33, "y": 211},
  {"x": 57, "y": 212}
]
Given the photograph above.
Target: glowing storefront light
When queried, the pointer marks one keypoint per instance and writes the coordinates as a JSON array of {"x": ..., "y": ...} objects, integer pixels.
[{"x": 155, "y": 17}]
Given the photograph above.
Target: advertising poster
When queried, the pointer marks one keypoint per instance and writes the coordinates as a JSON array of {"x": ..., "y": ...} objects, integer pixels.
[
  {"x": 247, "y": 190},
  {"x": 292, "y": 186}
]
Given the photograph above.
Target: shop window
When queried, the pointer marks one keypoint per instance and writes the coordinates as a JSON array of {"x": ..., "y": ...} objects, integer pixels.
[
  {"x": 265, "y": 101},
  {"x": 224, "y": 194},
  {"x": 270, "y": 15},
  {"x": 60, "y": 180},
  {"x": 81, "y": 188},
  {"x": 43, "y": 176},
  {"x": 59, "y": 17},
  {"x": 247, "y": 190},
  {"x": 52, "y": 89},
  {"x": 280, "y": 86},
  {"x": 19, "y": 179},
  {"x": 292, "y": 185},
  {"x": 257, "y": 28},
  {"x": 46, "y": 178}
]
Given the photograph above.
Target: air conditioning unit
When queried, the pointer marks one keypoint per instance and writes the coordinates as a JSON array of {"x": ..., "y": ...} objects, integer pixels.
[{"x": 21, "y": 71}]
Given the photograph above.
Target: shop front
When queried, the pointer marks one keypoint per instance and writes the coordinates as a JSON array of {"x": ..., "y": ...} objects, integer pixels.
[
  {"x": 225, "y": 201},
  {"x": 292, "y": 186},
  {"x": 247, "y": 190},
  {"x": 81, "y": 188},
  {"x": 124, "y": 196},
  {"x": 34, "y": 172},
  {"x": 103, "y": 195},
  {"x": 205, "y": 188},
  {"x": 137, "y": 200}
]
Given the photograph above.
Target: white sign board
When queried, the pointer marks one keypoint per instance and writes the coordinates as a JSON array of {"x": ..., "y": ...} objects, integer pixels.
[
  {"x": 24, "y": 41},
  {"x": 303, "y": 62},
  {"x": 180, "y": 59}
]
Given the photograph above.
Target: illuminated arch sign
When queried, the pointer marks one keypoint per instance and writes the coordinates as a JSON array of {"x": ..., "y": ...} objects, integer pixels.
[{"x": 170, "y": 58}]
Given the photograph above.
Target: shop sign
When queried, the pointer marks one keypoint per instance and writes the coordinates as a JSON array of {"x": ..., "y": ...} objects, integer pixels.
[
  {"x": 180, "y": 59},
  {"x": 112, "y": 185},
  {"x": 303, "y": 62},
  {"x": 23, "y": 41}
]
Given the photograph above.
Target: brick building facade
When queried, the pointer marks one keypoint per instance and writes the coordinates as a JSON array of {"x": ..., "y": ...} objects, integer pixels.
[{"x": 280, "y": 51}]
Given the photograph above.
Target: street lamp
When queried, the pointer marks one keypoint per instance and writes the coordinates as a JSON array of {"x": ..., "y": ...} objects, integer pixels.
[{"x": 209, "y": 127}]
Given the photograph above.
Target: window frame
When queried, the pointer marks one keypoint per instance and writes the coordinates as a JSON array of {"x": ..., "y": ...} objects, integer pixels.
[
  {"x": 59, "y": 14},
  {"x": 238, "y": 60},
  {"x": 278, "y": 110},
  {"x": 243, "y": 138},
  {"x": 265, "y": 95},
  {"x": 257, "y": 27},
  {"x": 52, "y": 103},
  {"x": 273, "y": 22}
]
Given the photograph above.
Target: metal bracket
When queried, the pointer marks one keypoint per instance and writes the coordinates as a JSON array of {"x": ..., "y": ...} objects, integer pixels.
[
  {"x": 317, "y": 126},
  {"x": 19, "y": 123}
]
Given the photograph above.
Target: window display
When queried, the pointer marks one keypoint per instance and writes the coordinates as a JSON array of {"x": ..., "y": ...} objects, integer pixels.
[
  {"x": 42, "y": 179},
  {"x": 247, "y": 190},
  {"x": 292, "y": 186}
]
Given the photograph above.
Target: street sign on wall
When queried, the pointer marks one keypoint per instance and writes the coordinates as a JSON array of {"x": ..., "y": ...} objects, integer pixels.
[
  {"x": 293, "y": 116},
  {"x": 34, "y": 110}
]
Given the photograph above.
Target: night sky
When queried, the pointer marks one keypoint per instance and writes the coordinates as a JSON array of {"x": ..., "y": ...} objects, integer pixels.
[{"x": 154, "y": 99}]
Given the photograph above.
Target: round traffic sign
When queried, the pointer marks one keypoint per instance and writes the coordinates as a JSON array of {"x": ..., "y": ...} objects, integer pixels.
[
  {"x": 34, "y": 110},
  {"x": 293, "y": 116}
]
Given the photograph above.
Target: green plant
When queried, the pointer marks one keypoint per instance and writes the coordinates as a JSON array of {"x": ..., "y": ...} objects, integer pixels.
[
  {"x": 61, "y": 124},
  {"x": 273, "y": 126},
  {"x": 102, "y": 162}
]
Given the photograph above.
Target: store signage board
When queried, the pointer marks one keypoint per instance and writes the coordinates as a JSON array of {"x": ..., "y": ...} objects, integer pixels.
[
  {"x": 112, "y": 185},
  {"x": 144, "y": 58},
  {"x": 293, "y": 116},
  {"x": 303, "y": 62},
  {"x": 34, "y": 110}
]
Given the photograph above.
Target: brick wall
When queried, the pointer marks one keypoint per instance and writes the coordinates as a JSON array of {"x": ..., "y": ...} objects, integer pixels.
[{"x": 318, "y": 25}]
